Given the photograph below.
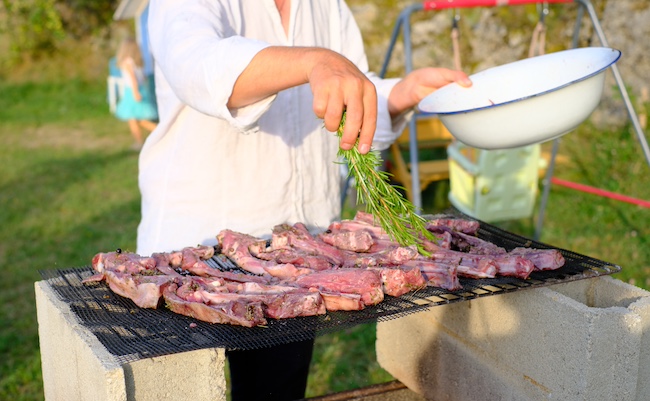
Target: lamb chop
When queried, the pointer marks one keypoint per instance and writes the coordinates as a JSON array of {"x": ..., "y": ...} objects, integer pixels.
[
  {"x": 278, "y": 301},
  {"x": 543, "y": 259},
  {"x": 296, "y": 257},
  {"x": 131, "y": 276},
  {"x": 349, "y": 240},
  {"x": 456, "y": 224},
  {"x": 397, "y": 281},
  {"x": 436, "y": 274},
  {"x": 390, "y": 256},
  {"x": 344, "y": 282},
  {"x": 298, "y": 237},
  {"x": 236, "y": 247},
  {"x": 467, "y": 243},
  {"x": 144, "y": 291},
  {"x": 376, "y": 233},
  {"x": 123, "y": 262},
  {"x": 182, "y": 299},
  {"x": 464, "y": 239},
  {"x": 484, "y": 265},
  {"x": 282, "y": 302}
]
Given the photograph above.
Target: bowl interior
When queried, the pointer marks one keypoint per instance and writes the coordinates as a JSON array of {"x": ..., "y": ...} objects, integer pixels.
[{"x": 520, "y": 80}]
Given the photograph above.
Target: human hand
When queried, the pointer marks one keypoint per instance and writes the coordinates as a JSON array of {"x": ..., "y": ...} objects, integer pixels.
[
  {"x": 338, "y": 85},
  {"x": 420, "y": 83}
]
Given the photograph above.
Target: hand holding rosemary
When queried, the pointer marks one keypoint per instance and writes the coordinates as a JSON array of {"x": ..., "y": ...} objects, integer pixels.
[{"x": 396, "y": 215}]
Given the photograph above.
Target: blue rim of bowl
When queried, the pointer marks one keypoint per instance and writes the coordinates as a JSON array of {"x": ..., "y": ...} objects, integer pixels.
[{"x": 490, "y": 106}]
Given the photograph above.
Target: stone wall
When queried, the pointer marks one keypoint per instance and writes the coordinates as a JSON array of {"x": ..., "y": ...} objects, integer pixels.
[{"x": 493, "y": 36}]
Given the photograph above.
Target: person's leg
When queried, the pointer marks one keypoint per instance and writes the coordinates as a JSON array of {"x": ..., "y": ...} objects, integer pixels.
[
  {"x": 148, "y": 125},
  {"x": 136, "y": 132},
  {"x": 270, "y": 374}
]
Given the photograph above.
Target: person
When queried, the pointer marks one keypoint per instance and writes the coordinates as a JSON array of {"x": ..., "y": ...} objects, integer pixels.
[
  {"x": 137, "y": 105},
  {"x": 249, "y": 95}
]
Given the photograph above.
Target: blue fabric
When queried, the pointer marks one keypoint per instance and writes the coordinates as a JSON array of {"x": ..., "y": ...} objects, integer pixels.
[
  {"x": 129, "y": 109},
  {"x": 113, "y": 69}
]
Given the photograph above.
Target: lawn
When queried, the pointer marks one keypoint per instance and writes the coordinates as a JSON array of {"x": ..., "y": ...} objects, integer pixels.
[{"x": 69, "y": 189}]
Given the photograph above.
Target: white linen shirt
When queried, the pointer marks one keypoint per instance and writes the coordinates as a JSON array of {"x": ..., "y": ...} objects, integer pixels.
[{"x": 206, "y": 167}]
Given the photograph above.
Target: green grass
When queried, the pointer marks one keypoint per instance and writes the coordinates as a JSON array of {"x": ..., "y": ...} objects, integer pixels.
[{"x": 68, "y": 189}]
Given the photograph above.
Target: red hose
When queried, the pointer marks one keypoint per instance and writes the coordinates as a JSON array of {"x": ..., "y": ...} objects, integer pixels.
[
  {"x": 600, "y": 192},
  {"x": 440, "y": 4}
]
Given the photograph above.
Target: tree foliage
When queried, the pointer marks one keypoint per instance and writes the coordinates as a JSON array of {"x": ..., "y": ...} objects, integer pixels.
[{"x": 35, "y": 27}]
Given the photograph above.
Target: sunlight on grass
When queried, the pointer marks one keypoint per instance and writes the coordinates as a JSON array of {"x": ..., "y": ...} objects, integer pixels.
[{"x": 345, "y": 360}]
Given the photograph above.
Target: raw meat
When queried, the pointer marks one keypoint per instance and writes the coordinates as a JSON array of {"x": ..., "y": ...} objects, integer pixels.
[
  {"x": 239, "y": 312},
  {"x": 390, "y": 256},
  {"x": 236, "y": 247},
  {"x": 363, "y": 282},
  {"x": 543, "y": 259},
  {"x": 460, "y": 225},
  {"x": 437, "y": 274},
  {"x": 397, "y": 281},
  {"x": 355, "y": 241},
  {"x": 298, "y": 237},
  {"x": 352, "y": 265},
  {"x": 467, "y": 243},
  {"x": 131, "y": 276},
  {"x": 296, "y": 257}
]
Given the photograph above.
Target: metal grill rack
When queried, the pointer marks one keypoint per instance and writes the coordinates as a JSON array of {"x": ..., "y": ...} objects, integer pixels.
[{"x": 131, "y": 333}]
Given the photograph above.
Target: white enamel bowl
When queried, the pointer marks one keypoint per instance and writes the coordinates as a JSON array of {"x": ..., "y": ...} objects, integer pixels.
[{"x": 528, "y": 101}]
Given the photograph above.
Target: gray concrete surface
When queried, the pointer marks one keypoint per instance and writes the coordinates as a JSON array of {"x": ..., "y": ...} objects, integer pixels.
[
  {"x": 77, "y": 367},
  {"x": 586, "y": 340}
]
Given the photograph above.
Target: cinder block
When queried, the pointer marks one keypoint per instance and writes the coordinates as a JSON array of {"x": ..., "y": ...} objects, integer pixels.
[
  {"x": 76, "y": 366},
  {"x": 585, "y": 340}
]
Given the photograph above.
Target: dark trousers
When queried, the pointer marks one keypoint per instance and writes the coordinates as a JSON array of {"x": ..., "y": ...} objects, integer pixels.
[{"x": 270, "y": 374}]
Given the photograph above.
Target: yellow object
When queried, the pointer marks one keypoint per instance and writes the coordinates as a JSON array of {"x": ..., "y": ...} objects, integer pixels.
[
  {"x": 431, "y": 135},
  {"x": 493, "y": 185}
]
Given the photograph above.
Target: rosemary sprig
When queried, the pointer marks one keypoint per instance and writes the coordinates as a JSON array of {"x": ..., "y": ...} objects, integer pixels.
[{"x": 396, "y": 215}]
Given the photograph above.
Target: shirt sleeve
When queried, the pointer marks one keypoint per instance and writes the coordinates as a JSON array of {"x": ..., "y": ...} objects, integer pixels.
[
  {"x": 388, "y": 129},
  {"x": 201, "y": 57}
]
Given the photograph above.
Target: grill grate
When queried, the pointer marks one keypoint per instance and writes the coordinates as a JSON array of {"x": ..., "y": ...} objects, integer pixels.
[{"x": 131, "y": 333}]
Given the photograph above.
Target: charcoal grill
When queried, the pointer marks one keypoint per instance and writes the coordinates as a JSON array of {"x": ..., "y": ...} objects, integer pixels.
[{"x": 131, "y": 333}]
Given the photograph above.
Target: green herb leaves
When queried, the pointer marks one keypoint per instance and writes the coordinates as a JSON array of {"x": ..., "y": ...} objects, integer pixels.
[{"x": 396, "y": 215}]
